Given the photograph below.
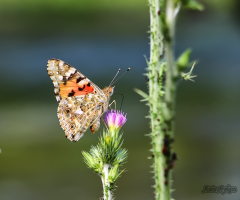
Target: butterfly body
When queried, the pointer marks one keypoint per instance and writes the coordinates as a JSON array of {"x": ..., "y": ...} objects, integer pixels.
[{"x": 81, "y": 102}]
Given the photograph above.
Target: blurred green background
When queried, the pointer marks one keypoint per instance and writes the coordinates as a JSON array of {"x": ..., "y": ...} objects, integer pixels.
[{"x": 97, "y": 38}]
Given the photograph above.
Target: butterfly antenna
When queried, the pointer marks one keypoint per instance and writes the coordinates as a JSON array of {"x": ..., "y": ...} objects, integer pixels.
[
  {"x": 119, "y": 77},
  {"x": 114, "y": 77}
]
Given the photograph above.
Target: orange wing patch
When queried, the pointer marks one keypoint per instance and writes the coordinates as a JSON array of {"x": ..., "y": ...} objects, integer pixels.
[{"x": 72, "y": 88}]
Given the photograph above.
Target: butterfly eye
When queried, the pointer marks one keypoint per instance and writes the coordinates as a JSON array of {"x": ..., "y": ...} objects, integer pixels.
[{"x": 72, "y": 126}]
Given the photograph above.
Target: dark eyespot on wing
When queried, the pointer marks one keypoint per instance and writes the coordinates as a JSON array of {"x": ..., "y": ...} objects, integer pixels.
[
  {"x": 71, "y": 94},
  {"x": 81, "y": 89},
  {"x": 72, "y": 126},
  {"x": 67, "y": 110}
]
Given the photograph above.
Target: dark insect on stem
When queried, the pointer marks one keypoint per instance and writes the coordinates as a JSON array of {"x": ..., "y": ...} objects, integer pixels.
[
  {"x": 146, "y": 78},
  {"x": 166, "y": 182},
  {"x": 174, "y": 156}
]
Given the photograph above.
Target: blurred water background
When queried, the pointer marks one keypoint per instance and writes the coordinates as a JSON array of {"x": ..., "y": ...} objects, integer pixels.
[{"x": 99, "y": 37}]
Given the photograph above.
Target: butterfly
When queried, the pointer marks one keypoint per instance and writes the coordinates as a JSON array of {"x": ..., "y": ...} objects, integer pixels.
[{"x": 81, "y": 102}]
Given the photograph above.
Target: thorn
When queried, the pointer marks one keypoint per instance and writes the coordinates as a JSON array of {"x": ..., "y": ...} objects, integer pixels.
[{"x": 188, "y": 75}]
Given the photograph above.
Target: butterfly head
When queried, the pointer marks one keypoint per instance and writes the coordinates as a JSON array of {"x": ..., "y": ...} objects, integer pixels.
[{"x": 108, "y": 91}]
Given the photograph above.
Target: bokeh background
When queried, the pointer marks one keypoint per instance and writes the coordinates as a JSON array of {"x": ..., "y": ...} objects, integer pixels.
[{"x": 97, "y": 38}]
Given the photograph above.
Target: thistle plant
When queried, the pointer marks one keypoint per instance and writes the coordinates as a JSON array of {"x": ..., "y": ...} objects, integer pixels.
[
  {"x": 163, "y": 73},
  {"x": 107, "y": 157}
]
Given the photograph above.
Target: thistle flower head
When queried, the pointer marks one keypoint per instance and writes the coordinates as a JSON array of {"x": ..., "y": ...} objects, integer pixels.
[
  {"x": 115, "y": 119},
  {"x": 108, "y": 156}
]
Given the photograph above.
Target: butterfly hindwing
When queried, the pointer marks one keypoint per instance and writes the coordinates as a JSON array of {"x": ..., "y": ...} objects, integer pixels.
[{"x": 76, "y": 114}]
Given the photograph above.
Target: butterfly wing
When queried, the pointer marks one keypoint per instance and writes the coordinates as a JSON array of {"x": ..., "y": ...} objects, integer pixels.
[
  {"x": 68, "y": 81},
  {"x": 80, "y": 100},
  {"x": 76, "y": 114}
]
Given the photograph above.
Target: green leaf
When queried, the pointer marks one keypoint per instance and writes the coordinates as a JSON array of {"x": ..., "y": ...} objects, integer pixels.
[
  {"x": 192, "y": 4},
  {"x": 184, "y": 2},
  {"x": 165, "y": 29},
  {"x": 140, "y": 92},
  {"x": 183, "y": 60}
]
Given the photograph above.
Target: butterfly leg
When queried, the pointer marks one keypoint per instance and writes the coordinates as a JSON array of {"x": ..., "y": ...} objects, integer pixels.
[
  {"x": 104, "y": 122},
  {"x": 114, "y": 103}
]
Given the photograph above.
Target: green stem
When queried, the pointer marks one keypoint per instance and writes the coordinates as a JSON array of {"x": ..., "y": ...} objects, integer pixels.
[
  {"x": 106, "y": 186},
  {"x": 162, "y": 106},
  {"x": 170, "y": 88},
  {"x": 156, "y": 50},
  {"x": 162, "y": 93}
]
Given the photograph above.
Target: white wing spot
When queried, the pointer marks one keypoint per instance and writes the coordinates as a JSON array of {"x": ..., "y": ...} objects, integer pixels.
[
  {"x": 61, "y": 63},
  {"x": 79, "y": 112},
  {"x": 60, "y": 77},
  {"x": 79, "y": 99},
  {"x": 58, "y": 98},
  {"x": 70, "y": 71},
  {"x": 51, "y": 65},
  {"x": 54, "y": 81},
  {"x": 67, "y": 74}
]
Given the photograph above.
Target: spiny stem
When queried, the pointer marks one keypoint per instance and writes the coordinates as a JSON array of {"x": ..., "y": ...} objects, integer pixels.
[
  {"x": 106, "y": 185},
  {"x": 162, "y": 89},
  {"x": 170, "y": 89},
  {"x": 156, "y": 50},
  {"x": 162, "y": 107}
]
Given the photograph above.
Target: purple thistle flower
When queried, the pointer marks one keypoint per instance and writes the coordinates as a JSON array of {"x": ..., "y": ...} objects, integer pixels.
[{"x": 115, "y": 120}]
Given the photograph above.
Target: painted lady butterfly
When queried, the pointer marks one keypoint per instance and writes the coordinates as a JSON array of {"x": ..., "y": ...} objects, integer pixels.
[{"x": 81, "y": 102}]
